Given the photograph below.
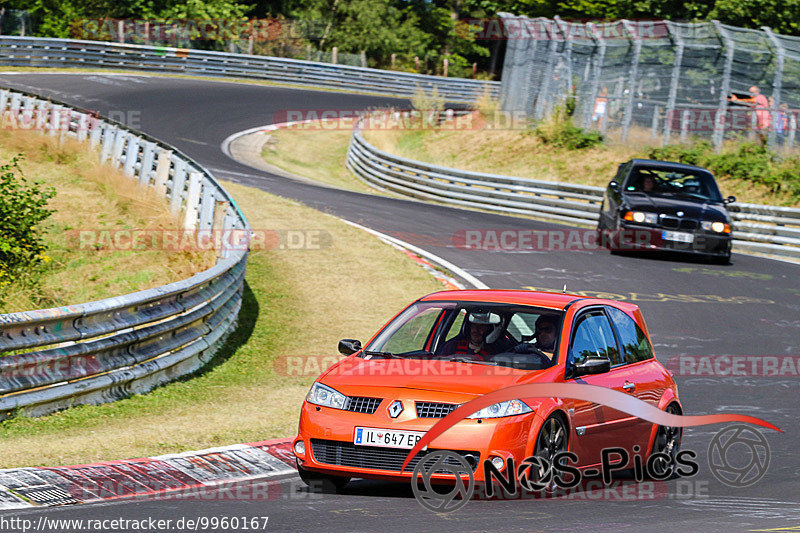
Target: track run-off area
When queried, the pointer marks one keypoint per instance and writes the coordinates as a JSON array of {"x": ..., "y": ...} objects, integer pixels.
[{"x": 748, "y": 311}]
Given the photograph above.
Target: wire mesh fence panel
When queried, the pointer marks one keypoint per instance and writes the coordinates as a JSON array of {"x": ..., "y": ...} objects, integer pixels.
[{"x": 666, "y": 81}]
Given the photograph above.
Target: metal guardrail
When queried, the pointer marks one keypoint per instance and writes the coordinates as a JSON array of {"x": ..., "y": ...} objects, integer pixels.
[
  {"x": 108, "y": 349},
  {"x": 41, "y": 52},
  {"x": 758, "y": 228}
]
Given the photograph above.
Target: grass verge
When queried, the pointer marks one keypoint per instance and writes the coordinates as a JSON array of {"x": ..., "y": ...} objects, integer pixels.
[
  {"x": 95, "y": 198},
  {"x": 296, "y": 302}
]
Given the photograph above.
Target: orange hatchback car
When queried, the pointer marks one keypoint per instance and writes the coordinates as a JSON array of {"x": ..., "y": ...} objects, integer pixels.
[{"x": 364, "y": 414}]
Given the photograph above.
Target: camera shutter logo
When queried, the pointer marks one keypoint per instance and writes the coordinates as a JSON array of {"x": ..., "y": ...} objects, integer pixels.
[
  {"x": 738, "y": 442},
  {"x": 443, "y": 462}
]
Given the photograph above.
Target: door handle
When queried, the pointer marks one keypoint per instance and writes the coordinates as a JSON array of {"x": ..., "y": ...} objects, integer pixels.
[{"x": 629, "y": 387}]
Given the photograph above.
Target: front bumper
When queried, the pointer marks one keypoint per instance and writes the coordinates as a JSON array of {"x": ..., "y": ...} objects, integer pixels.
[
  {"x": 328, "y": 436},
  {"x": 635, "y": 237}
]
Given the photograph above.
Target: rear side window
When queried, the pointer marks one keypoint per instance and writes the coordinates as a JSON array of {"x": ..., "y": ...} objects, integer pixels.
[
  {"x": 594, "y": 337},
  {"x": 634, "y": 342}
]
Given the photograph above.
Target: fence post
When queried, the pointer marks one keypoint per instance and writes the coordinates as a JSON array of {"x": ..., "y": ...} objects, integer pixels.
[
  {"x": 597, "y": 67},
  {"x": 685, "y": 124},
  {"x": 83, "y": 126},
  {"x": 777, "y": 82},
  {"x": 334, "y": 55},
  {"x": 792, "y": 129},
  {"x": 673, "y": 82},
  {"x": 364, "y": 58},
  {"x": 634, "y": 72},
  {"x": 564, "y": 29},
  {"x": 725, "y": 86},
  {"x": 654, "y": 127},
  {"x": 544, "y": 91}
]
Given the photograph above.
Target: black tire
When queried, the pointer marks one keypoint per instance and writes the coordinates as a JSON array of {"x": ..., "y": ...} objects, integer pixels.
[
  {"x": 721, "y": 260},
  {"x": 668, "y": 440},
  {"x": 553, "y": 438},
  {"x": 319, "y": 482}
]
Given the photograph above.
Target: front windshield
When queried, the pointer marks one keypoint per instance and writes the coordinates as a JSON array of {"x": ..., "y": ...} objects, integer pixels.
[
  {"x": 692, "y": 184},
  {"x": 487, "y": 333}
]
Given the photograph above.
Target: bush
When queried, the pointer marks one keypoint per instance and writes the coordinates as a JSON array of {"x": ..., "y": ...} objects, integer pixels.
[
  {"x": 747, "y": 162},
  {"x": 23, "y": 206},
  {"x": 559, "y": 131}
]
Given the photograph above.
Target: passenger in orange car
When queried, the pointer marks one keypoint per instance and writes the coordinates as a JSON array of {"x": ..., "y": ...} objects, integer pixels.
[{"x": 479, "y": 337}]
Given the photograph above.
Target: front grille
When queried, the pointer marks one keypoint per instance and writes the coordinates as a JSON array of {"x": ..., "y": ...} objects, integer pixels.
[
  {"x": 334, "y": 452},
  {"x": 688, "y": 223},
  {"x": 434, "y": 409},
  {"x": 670, "y": 222},
  {"x": 362, "y": 404}
]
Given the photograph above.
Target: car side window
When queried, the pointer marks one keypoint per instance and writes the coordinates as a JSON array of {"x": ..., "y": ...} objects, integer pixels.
[
  {"x": 634, "y": 342},
  {"x": 412, "y": 335},
  {"x": 593, "y": 337},
  {"x": 455, "y": 327}
]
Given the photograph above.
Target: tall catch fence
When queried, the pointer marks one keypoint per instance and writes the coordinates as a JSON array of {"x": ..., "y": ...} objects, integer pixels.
[{"x": 667, "y": 81}]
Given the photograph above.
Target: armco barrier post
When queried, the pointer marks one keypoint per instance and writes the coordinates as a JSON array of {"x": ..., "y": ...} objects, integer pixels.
[
  {"x": 132, "y": 155},
  {"x": 192, "y": 201},
  {"x": 148, "y": 153},
  {"x": 120, "y": 136},
  {"x": 178, "y": 184},
  {"x": 109, "y": 134},
  {"x": 162, "y": 171}
]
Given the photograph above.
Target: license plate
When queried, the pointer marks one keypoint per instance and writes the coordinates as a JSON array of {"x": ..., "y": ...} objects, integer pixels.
[
  {"x": 386, "y": 438},
  {"x": 677, "y": 236}
]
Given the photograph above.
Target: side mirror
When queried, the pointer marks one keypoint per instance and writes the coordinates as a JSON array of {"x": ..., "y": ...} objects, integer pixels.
[
  {"x": 349, "y": 346},
  {"x": 592, "y": 365},
  {"x": 614, "y": 186},
  {"x": 729, "y": 200}
]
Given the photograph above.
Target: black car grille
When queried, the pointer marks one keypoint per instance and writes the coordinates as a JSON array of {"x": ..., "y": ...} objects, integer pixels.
[
  {"x": 362, "y": 404},
  {"x": 434, "y": 409},
  {"x": 334, "y": 452},
  {"x": 671, "y": 222}
]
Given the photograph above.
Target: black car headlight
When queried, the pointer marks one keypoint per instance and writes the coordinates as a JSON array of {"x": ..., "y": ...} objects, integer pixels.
[
  {"x": 640, "y": 217},
  {"x": 716, "y": 227}
]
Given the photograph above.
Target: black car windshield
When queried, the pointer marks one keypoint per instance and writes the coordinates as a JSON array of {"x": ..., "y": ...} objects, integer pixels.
[
  {"x": 522, "y": 337},
  {"x": 695, "y": 184}
]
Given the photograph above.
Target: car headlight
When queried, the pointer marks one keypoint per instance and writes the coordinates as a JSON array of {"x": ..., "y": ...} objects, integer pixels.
[
  {"x": 323, "y": 395},
  {"x": 641, "y": 217},
  {"x": 509, "y": 408},
  {"x": 717, "y": 227}
]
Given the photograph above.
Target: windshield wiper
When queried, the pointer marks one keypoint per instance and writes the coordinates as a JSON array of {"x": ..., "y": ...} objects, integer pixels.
[
  {"x": 381, "y": 354},
  {"x": 462, "y": 359}
]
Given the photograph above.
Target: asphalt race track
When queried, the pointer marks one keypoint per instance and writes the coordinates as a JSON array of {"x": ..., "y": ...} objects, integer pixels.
[{"x": 748, "y": 308}]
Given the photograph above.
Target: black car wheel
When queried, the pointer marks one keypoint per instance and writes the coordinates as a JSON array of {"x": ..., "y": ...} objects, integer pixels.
[
  {"x": 318, "y": 482},
  {"x": 552, "y": 439},
  {"x": 667, "y": 441}
]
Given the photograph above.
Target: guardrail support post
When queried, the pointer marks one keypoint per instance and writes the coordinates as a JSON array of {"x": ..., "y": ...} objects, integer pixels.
[
  {"x": 119, "y": 145},
  {"x": 178, "y": 183},
  {"x": 3, "y": 101},
  {"x": 55, "y": 119},
  {"x": 109, "y": 134},
  {"x": 218, "y": 226},
  {"x": 192, "y": 201},
  {"x": 83, "y": 126},
  {"x": 96, "y": 134},
  {"x": 148, "y": 152},
  {"x": 207, "y": 209},
  {"x": 162, "y": 171},
  {"x": 132, "y": 155},
  {"x": 41, "y": 116}
]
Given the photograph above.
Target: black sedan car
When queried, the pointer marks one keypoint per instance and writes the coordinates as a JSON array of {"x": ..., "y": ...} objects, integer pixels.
[{"x": 659, "y": 205}]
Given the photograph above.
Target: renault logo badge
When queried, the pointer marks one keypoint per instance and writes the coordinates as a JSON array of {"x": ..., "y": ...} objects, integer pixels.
[{"x": 395, "y": 408}]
